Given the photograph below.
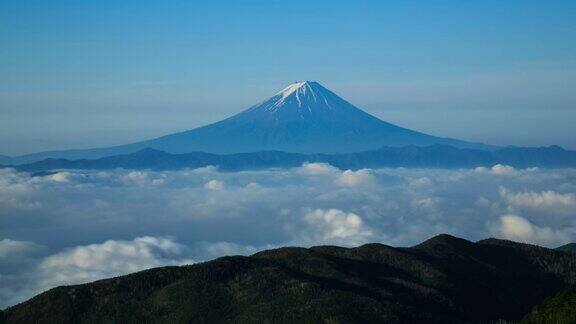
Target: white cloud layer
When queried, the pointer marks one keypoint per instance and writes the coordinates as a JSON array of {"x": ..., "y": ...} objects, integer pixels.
[{"x": 78, "y": 226}]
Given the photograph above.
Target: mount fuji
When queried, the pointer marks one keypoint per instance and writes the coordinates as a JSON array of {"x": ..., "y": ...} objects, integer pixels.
[{"x": 304, "y": 117}]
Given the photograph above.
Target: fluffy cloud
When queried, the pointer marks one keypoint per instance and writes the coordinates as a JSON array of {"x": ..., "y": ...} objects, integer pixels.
[
  {"x": 88, "y": 263},
  {"x": 500, "y": 169},
  {"x": 61, "y": 177},
  {"x": 545, "y": 199},
  {"x": 78, "y": 226},
  {"x": 333, "y": 226},
  {"x": 317, "y": 168},
  {"x": 10, "y": 248},
  {"x": 419, "y": 183},
  {"x": 519, "y": 229},
  {"x": 351, "y": 178},
  {"x": 214, "y": 185},
  {"x": 108, "y": 259}
]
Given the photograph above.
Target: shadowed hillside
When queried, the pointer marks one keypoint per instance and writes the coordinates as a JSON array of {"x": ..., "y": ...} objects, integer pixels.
[
  {"x": 570, "y": 247},
  {"x": 442, "y": 280},
  {"x": 559, "y": 309}
]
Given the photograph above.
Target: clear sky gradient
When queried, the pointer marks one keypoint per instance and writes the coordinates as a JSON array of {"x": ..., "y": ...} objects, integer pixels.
[{"x": 79, "y": 74}]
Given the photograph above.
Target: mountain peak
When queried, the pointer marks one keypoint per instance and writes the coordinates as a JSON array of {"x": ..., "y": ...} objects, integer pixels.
[
  {"x": 299, "y": 88},
  {"x": 304, "y": 117}
]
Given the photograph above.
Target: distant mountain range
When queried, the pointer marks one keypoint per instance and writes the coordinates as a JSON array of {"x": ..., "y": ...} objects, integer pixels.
[
  {"x": 435, "y": 156},
  {"x": 442, "y": 280},
  {"x": 6, "y": 159},
  {"x": 304, "y": 117}
]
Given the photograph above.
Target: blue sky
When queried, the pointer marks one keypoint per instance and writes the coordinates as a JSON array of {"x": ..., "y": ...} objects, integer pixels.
[{"x": 96, "y": 73}]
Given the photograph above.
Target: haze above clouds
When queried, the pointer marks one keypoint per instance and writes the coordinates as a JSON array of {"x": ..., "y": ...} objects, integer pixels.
[{"x": 78, "y": 226}]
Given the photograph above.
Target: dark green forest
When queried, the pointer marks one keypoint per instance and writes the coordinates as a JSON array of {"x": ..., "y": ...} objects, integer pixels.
[{"x": 442, "y": 280}]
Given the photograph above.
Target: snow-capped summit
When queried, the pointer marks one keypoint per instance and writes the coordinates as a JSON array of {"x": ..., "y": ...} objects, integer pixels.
[
  {"x": 303, "y": 117},
  {"x": 294, "y": 87},
  {"x": 299, "y": 90}
]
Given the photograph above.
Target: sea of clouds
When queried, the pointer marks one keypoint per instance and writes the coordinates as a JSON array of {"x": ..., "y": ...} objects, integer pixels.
[{"x": 78, "y": 226}]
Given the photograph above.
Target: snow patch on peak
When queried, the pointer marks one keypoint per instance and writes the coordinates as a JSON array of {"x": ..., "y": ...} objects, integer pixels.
[
  {"x": 291, "y": 89},
  {"x": 298, "y": 90}
]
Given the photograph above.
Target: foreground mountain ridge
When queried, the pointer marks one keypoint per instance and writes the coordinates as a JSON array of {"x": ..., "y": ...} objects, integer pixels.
[
  {"x": 436, "y": 156},
  {"x": 304, "y": 117},
  {"x": 442, "y": 280}
]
